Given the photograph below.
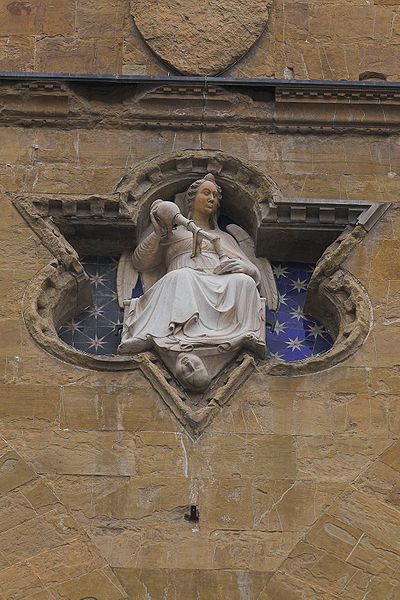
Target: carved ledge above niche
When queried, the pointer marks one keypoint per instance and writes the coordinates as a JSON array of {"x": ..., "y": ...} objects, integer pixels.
[{"x": 311, "y": 225}]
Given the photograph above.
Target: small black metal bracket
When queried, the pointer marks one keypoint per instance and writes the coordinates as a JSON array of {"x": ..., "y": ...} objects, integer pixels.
[
  {"x": 118, "y": 329},
  {"x": 193, "y": 515}
]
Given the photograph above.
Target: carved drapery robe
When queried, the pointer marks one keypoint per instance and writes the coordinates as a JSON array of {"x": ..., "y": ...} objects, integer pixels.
[{"x": 190, "y": 306}]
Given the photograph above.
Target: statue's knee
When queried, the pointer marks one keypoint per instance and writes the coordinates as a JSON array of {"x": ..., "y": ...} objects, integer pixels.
[
  {"x": 171, "y": 276},
  {"x": 178, "y": 275},
  {"x": 245, "y": 280}
]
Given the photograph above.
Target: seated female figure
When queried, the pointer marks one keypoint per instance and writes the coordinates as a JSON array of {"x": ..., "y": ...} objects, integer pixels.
[{"x": 201, "y": 311}]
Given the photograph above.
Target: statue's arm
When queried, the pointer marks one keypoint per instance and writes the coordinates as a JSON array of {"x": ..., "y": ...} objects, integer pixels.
[
  {"x": 239, "y": 261},
  {"x": 253, "y": 271},
  {"x": 149, "y": 254},
  {"x": 264, "y": 275}
]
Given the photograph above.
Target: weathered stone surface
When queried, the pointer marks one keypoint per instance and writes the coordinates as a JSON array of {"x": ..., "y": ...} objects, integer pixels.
[
  {"x": 136, "y": 57},
  {"x": 10, "y": 336},
  {"x": 84, "y": 55},
  {"x": 361, "y": 510},
  {"x": 55, "y": 147},
  {"x": 151, "y": 583},
  {"x": 66, "y": 562},
  {"x": 392, "y": 457},
  {"x": 15, "y": 509},
  {"x": 375, "y": 558},
  {"x": 261, "y": 551},
  {"x": 334, "y": 536},
  {"x": 70, "y": 179},
  {"x": 362, "y": 413},
  {"x": 207, "y": 38},
  {"x": 298, "y": 506},
  {"x": 36, "y": 405},
  {"x": 36, "y": 18},
  {"x": 104, "y": 453},
  {"x": 19, "y": 582},
  {"x": 381, "y": 481},
  {"x": 17, "y": 53},
  {"x": 101, "y": 19},
  {"x": 143, "y": 497},
  {"x": 337, "y": 458},
  {"x": 40, "y": 496},
  {"x": 13, "y": 471},
  {"x": 136, "y": 408},
  {"x": 285, "y": 587},
  {"x": 340, "y": 41},
  {"x": 59, "y": 559},
  {"x": 234, "y": 456},
  {"x": 37, "y": 535},
  {"x": 114, "y": 155},
  {"x": 100, "y": 584},
  {"x": 319, "y": 568}
]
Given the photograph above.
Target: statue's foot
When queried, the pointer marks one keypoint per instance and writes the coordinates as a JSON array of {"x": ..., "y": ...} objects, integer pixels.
[
  {"x": 256, "y": 345},
  {"x": 133, "y": 346}
]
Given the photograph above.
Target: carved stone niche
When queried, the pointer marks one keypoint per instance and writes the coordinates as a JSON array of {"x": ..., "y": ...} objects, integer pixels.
[{"x": 282, "y": 229}]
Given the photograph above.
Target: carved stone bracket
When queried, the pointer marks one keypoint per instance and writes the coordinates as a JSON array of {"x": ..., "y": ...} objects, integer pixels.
[{"x": 278, "y": 225}]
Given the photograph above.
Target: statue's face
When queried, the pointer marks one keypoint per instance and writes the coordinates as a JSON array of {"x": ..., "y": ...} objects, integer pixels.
[
  {"x": 206, "y": 199},
  {"x": 191, "y": 371}
]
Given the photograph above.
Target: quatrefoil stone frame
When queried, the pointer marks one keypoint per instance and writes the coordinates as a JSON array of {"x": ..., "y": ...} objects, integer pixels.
[{"x": 330, "y": 231}]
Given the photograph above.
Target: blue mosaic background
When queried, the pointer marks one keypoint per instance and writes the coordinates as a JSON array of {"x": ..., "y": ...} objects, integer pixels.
[
  {"x": 96, "y": 330},
  {"x": 295, "y": 336}
]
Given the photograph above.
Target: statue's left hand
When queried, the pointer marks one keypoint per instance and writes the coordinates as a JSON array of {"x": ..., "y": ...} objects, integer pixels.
[{"x": 234, "y": 265}]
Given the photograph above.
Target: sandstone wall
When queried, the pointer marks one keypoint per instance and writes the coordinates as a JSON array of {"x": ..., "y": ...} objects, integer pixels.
[
  {"x": 296, "y": 481},
  {"x": 335, "y": 39}
]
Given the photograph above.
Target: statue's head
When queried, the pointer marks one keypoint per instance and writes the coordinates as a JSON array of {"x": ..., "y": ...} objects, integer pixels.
[
  {"x": 198, "y": 189},
  {"x": 192, "y": 372}
]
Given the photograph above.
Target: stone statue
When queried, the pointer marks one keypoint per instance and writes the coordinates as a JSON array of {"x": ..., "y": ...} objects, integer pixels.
[{"x": 201, "y": 301}]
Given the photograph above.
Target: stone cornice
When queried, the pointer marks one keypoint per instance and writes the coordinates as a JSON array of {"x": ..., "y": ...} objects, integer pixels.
[
  {"x": 277, "y": 224},
  {"x": 285, "y": 212},
  {"x": 180, "y": 80},
  {"x": 302, "y": 93},
  {"x": 287, "y": 107},
  {"x": 338, "y": 214}
]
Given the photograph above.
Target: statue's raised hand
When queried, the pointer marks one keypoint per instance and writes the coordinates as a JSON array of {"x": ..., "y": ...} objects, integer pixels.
[
  {"x": 156, "y": 225},
  {"x": 163, "y": 216},
  {"x": 211, "y": 236},
  {"x": 160, "y": 229}
]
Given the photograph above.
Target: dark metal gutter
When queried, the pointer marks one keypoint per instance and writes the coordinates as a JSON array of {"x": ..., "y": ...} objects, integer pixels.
[{"x": 174, "y": 80}]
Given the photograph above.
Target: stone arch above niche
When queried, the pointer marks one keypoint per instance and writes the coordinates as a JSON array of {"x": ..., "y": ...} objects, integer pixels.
[{"x": 245, "y": 188}]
